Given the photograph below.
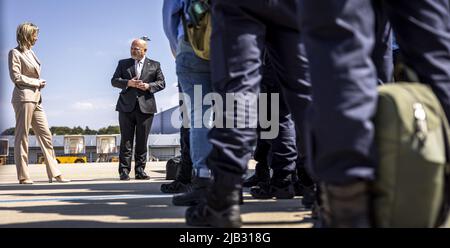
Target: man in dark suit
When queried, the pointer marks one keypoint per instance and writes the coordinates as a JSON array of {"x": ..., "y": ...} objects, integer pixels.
[{"x": 139, "y": 78}]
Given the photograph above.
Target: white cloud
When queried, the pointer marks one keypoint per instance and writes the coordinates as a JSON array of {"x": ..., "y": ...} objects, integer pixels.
[
  {"x": 94, "y": 105},
  {"x": 83, "y": 106}
]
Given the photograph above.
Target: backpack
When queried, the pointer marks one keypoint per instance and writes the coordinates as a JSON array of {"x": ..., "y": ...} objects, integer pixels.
[
  {"x": 173, "y": 167},
  {"x": 198, "y": 29},
  {"x": 412, "y": 137}
]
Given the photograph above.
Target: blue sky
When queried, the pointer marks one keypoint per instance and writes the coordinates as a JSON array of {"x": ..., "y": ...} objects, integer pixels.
[{"x": 79, "y": 45}]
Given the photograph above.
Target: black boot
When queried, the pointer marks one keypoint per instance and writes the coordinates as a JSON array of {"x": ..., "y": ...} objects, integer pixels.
[
  {"x": 221, "y": 210},
  {"x": 198, "y": 194},
  {"x": 176, "y": 187},
  {"x": 298, "y": 188},
  {"x": 262, "y": 175},
  {"x": 309, "y": 196},
  {"x": 346, "y": 206},
  {"x": 280, "y": 187}
]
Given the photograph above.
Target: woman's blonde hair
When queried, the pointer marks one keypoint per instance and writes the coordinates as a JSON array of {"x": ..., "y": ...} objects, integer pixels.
[{"x": 25, "y": 32}]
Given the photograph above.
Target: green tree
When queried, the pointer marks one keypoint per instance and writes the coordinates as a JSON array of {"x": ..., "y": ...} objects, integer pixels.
[
  {"x": 77, "y": 131},
  {"x": 9, "y": 131},
  {"x": 88, "y": 131},
  {"x": 72, "y": 131},
  {"x": 12, "y": 130},
  {"x": 109, "y": 130}
]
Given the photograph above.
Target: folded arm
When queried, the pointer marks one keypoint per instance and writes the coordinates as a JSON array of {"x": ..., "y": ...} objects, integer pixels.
[
  {"x": 117, "y": 80},
  {"x": 160, "y": 82},
  {"x": 15, "y": 72}
]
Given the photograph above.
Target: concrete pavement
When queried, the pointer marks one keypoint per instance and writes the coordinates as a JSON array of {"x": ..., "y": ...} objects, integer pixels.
[{"x": 96, "y": 198}]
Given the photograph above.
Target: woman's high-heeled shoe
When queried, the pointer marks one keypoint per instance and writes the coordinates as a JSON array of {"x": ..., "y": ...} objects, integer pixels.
[
  {"x": 26, "y": 181},
  {"x": 59, "y": 179}
]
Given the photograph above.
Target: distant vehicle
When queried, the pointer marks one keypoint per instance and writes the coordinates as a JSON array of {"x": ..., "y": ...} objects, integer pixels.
[
  {"x": 71, "y": 159},
  {"x": 4, "y": 151},
  {"x": 107, "y": 149},
  {"x": 74, "y": 151},
  {"x": 66, "y": 159},
  {"x": 114, "y": 159}
]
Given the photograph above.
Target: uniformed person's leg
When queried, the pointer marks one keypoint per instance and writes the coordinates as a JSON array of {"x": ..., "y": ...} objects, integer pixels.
[
  {"x": 182, "y": 182},
  {"x": 263, "y": 152},
  {"x": 284, "y": 156},
  {"x": 284, "y": 148},
  {"x": 344, "y": 84},
  {"x": 262, "y": 169},
  {"x": 423, "y": 34},
  {"x": 185, "y": 174},
  {"x": 382, "y": 54},
  {"x": 236, "y": 46},
  {"x": 344, "y": 81},
  {"x": 288, "y": 58}
]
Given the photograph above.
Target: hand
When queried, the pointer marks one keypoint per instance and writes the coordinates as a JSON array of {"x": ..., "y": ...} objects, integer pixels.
[
  {"x": 42, "y": 84},
  {"x": 133, "y": 83},
  {"x": 143, "y": 86}
]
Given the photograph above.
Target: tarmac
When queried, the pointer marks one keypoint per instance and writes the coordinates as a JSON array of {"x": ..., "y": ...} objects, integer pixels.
[{"x": 96, "y": 198}]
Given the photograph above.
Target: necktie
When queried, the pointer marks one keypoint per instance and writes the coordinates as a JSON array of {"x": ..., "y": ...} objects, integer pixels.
[{"x": 138, "y": 69}]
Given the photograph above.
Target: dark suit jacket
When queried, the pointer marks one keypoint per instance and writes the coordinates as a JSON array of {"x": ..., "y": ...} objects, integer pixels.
[{"x": 151, "y": 74}]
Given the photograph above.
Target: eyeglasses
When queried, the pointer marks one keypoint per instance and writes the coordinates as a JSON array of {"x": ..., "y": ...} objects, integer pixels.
[{"x": 135, "y": 49}]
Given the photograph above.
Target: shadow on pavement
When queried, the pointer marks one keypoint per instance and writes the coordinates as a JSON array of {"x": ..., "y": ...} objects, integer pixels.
[{"x": 138, "y": 210}]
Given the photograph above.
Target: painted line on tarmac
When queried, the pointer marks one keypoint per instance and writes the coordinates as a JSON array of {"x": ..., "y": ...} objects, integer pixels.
[{"x": 87, "y": 198}]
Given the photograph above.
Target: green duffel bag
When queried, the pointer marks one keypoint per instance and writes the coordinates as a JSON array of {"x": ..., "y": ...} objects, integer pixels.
[{"x": 412, "y": 178}]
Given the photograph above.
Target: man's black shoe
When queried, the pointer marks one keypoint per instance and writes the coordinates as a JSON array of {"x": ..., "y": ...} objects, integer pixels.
[
  {"x": 142, "y": 176},
  {"x": 124, "y": 177},
  {"x": 268, "y": 191},
  {"x": 203, "y": 215},
  {"x": 175, "y": 187}
]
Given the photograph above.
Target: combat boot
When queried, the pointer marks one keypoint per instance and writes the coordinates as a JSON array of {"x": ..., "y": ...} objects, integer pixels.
[
  {"x": 221, "y": 210},
  {"x": 262, "y": 175},
  {"x": 346, "y": 206},
  {"x": 196, "y": 195}
]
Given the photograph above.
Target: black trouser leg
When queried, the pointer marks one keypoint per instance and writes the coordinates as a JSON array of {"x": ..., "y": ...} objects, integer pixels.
[
  {"x": 143, "y": 127},
  {"x": 127, "y": 122},
  {"x": 185, "y": 173}
]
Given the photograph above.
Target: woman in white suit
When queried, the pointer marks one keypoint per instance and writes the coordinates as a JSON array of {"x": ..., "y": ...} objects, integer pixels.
[{"x": 24, "y": 70}]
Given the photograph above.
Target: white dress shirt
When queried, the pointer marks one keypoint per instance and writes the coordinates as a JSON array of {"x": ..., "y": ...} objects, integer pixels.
[{"x": 139, "y": 64}]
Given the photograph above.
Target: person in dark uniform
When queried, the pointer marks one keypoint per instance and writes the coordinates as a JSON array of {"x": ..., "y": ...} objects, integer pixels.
[
  {"x": 139, "y": 78},
  {"x": 242, "y": 30},
  {"x": 183, "y": 179},
  {"x": 262, "y": 156},
  {"x": 344, "y": 79},
  {"x": 382, "y": 56},
  {"x": 279, "y": 154}
]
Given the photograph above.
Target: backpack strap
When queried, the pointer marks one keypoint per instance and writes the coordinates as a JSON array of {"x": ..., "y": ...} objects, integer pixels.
[
  {"x": 445, "y": 209},
  {"x": 184, "y": 22}
]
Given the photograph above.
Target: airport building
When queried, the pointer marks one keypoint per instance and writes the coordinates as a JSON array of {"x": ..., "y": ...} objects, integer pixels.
[{"x": 163, "y": 144}]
